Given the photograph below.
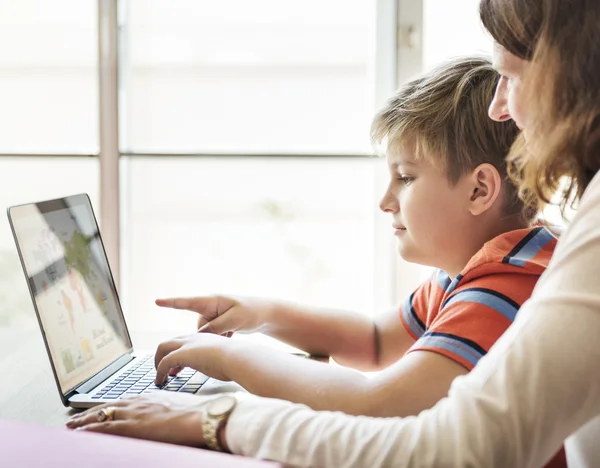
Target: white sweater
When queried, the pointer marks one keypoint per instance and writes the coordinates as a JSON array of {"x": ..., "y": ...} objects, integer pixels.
[{"x": 538, "y": 385}]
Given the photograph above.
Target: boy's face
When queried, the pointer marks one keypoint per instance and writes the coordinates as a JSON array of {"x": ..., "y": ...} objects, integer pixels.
[{"x": 430, "y": 216}]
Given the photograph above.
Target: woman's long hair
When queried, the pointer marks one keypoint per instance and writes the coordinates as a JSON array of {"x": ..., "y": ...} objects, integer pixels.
[{"x": 561, "y": 39}]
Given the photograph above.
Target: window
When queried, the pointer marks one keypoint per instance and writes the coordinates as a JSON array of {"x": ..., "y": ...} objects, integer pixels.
[
  {"x": 24, "y": 180},
  {"x": 238, "y": 76},
  {"x": 48, "y": 84},
  {"x": 214, "y": 82},
  {"x": 295, "y": 228},
  {"x": 451, "y": 29},
  {"x": 243, "y": 138},
  {"x": 48, "y": 90}
]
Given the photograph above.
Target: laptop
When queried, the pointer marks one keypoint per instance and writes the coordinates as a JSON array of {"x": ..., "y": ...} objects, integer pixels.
[{"x": 78, "y": 308}]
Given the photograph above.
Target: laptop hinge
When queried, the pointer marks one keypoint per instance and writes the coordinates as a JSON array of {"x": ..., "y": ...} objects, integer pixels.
[{"x": 104, "y": 374}]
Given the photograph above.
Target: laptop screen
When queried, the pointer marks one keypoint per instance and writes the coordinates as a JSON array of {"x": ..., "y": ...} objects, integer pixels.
[{"x": 72, "y": 287}]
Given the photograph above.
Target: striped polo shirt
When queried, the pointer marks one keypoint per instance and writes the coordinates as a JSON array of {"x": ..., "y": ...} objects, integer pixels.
[{"x": 462, "y": 317}]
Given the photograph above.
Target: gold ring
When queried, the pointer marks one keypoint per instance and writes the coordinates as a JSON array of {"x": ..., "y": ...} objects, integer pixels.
[{"x": 106, "y": 414}]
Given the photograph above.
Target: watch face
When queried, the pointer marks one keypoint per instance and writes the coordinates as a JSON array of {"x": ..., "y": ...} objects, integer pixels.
[{"x": 221, "y": 406}]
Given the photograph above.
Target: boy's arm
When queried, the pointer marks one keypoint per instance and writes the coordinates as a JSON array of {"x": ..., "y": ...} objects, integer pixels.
[
  {"x": 414, "y": 383},
  {"x": 354, "y": 339},
  {"x": 469, "y": 323},
  {"x": 351, "y": 339}
]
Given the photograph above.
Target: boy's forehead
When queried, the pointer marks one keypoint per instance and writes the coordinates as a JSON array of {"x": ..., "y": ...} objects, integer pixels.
[
  {"x": 403, "y": 156},
  {"x": 413, "y": 158}
]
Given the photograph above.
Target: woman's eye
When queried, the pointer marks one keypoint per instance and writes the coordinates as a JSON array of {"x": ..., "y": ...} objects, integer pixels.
[
  {"x": 509, "y": 80},
  {"x": 406, "y": 179}
]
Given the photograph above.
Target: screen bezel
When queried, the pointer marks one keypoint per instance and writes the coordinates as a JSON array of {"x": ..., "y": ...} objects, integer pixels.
[{"x": 49, "y": 206}]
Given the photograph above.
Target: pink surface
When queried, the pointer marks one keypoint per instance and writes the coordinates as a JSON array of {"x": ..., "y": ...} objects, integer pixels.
[{"x": 29, "y": 446}]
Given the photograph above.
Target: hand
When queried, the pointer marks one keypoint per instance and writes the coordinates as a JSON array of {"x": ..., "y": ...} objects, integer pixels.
[
  {"x": 162, "y": 417},
  {"x": 203, "y": 352},
  {"x": 223, "y": 315}
]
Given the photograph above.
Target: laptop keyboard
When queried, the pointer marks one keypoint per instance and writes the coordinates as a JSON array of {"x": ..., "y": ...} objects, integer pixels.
[{"x": 139, "y": 379}]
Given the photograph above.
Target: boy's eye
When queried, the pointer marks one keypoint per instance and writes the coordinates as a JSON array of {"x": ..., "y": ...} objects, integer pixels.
[{"x": 405, "y": 179}]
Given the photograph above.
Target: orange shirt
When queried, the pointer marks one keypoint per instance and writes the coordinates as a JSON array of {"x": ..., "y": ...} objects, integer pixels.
[{"x": 462, "y": 318}]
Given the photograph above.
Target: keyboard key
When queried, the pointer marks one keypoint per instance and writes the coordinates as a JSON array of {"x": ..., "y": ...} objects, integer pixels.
[
  {"x": 189, "y": 390},
  {"x": 198, "y": 378},
  {"x": 192, "y": 387}
]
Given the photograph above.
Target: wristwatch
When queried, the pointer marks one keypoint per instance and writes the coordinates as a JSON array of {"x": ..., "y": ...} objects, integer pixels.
[{"x": 214, "y": 417}]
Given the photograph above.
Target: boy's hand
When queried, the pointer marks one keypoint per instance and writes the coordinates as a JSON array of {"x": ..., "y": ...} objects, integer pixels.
[
  {"x": 202, "y": 352},
  {"x": 222, "y": 315}
]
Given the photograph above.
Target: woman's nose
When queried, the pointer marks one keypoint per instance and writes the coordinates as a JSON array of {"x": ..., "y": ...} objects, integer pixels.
[{"x": 498, "y": 110}]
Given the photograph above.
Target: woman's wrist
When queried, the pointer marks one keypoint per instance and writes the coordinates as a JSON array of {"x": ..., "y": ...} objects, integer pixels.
[{"x": 198, "y": 428}]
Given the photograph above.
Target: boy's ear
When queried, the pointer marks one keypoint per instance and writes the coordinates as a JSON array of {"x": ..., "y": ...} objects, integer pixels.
[{"x": 486, "y": 186}]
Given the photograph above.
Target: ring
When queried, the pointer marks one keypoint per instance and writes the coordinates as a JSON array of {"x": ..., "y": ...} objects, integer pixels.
[{"x": 106, "y": 414}]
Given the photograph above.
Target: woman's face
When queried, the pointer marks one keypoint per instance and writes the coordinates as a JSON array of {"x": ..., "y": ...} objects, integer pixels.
[{"x": 508, "y": 102}]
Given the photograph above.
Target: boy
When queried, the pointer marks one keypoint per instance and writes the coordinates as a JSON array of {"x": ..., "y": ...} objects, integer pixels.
[{"x": 453, "y": 208}]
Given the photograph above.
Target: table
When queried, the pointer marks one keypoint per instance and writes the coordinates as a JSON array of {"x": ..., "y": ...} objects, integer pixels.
[
  {"x": 55, "y": 448},
  {"x": 27, "y": 390},
  {"x": 28, "y": 393}
]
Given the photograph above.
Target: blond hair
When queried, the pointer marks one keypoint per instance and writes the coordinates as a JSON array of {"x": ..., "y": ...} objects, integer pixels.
[
  {"x": 444, "y": 114},
  {"x": 562, "y": 94}
]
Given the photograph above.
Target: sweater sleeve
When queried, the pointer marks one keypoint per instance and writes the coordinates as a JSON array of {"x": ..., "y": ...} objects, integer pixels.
[{"x": 537, "y": 385}]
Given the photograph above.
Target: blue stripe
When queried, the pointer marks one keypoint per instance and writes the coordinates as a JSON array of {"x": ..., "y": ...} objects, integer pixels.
[
  {"x": 411, "y": 318},
  {"x": 469, "y": 354},
  {"x": 462, "y": 339},
  {"x": 443, "y": 279},
  {"x": 496, "y": 301},
  {"x": 532, "y": 248},
  {"x": 454, "y": 284}
]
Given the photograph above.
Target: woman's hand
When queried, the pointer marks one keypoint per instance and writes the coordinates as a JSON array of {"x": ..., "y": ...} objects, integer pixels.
[
  {"x": 174, "y": 418},
  {"x": 223, "y": 315},
  {"x": 203, "y": 352}
]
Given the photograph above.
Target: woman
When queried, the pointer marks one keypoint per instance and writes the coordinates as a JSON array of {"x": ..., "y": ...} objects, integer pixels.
[{"x": 539, "y": 384}]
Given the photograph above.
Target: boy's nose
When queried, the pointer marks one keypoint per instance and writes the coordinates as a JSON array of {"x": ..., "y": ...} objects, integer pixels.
[{"x": 388, "y": 203}]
